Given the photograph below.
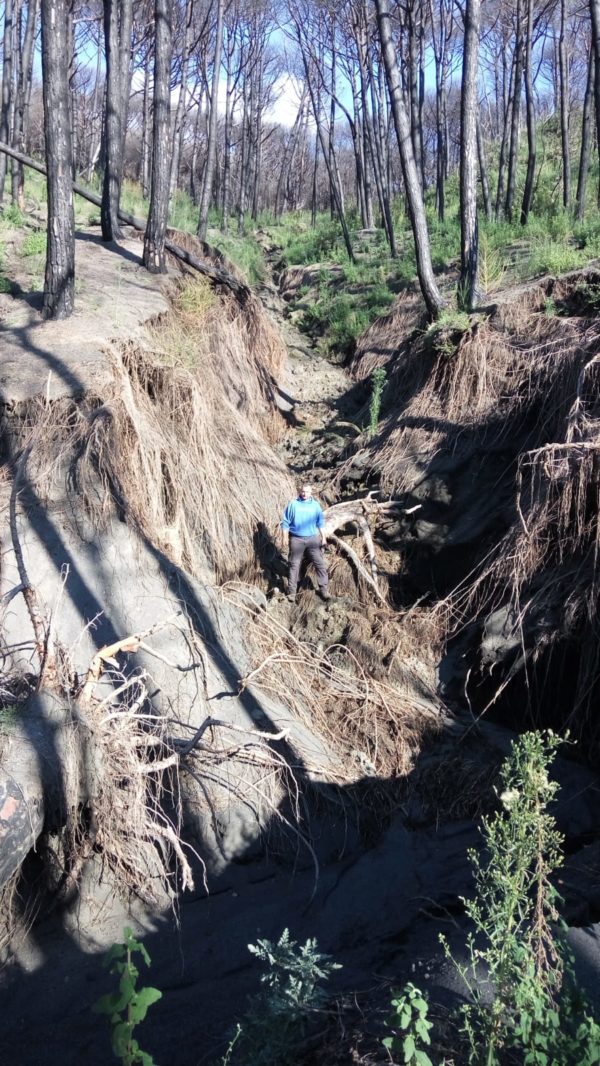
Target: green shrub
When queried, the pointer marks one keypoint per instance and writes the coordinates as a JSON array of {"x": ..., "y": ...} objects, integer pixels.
[
  {"x": 517, "y": 938},
  {"x": 34, "y": 244},
  {"x": 276, "y": 1019}
]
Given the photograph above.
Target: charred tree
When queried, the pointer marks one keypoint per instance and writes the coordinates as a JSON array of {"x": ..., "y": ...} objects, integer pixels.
[
  {"x": 412, "y": 184},
  {"x": 7, "y": 80},
  {"x": 530, "y": 108},
  {"x": 468, "y": 290},
  {"x": 564, "y": 106},
  {"x": 59, "y": 282},
  {"x": 22, "y": 99},
  {"x": 595, "y": 14},
  {"x": 586, "y": 125},
  {"x": 118, "y": 17},
  {"x": 154, "y": 240},
  {"x": 211, "y": 148},
  {"x": 515, "y": 109}
]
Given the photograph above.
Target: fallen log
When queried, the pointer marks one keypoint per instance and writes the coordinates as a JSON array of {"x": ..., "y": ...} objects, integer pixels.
[
  {"x": 357, "y": 513},
  {"x": 214, "y": 274}
]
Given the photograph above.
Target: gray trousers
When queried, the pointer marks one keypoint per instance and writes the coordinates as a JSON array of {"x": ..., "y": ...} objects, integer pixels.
[{"x": 313, "y": 547}]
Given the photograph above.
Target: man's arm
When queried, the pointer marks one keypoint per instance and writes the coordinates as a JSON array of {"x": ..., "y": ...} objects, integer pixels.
[
  {"x": 285, "y": 523},
  {"x": 321, "y": 525}
]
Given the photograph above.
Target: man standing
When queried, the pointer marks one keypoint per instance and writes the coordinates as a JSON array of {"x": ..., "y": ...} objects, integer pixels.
[{"x": 304, "y": 523}]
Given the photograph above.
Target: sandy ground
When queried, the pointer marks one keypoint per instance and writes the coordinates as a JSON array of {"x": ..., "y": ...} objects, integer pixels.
[{"x": 114, "y": 295}]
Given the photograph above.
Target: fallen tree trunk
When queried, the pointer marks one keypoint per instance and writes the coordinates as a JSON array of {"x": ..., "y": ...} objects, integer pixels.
[{"x": 215, "y": 274}]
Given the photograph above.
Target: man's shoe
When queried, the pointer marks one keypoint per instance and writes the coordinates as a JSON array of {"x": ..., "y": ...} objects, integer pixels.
[
  {"x": 291, "y": 596},
  {"x": 324, "y": 594}
]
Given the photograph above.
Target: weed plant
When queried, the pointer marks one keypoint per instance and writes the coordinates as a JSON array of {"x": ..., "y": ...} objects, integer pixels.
[
  {"x": 276, "y": 1020},
  {"x": 529, "y": 1004},
  {"x": 129, "y": 1005}
]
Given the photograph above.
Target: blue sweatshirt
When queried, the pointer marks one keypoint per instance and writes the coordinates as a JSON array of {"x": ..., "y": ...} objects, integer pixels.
[{"x": 302, "y": 518}]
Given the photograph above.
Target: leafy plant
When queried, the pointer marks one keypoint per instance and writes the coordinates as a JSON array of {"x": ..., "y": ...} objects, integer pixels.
[
  {"x": 411, "y": 1027},
  {"x": 517, "y": 937},
  {"x": 378, "y": 382},
  {"x": 128, "y": 1006},
  {"x": 34, "y": 243},
  {"x": 276, "y": 1018}
]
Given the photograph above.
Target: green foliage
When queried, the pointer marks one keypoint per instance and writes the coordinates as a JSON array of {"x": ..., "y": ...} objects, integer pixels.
[
  {"x": 411, "y": 1028},
  {"x": 517, "y": 937},
  {"x": 13, "y": 216},
  {"x": 34, "y": 244},
  {"x": 128, "y": 1006},
  {"x": 443, "y": 336},
  {"x": 245, "y": 252},
  {"x": 276, "y": 1019},
  {"x": 551, "y": 257},
  {"x": 378, "y": 382},
  {"x": 550, "y": 309}
]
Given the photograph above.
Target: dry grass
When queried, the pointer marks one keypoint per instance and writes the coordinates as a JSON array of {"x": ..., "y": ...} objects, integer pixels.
[
  {"x": 376, "y": 724},
  {"x": 523, "y": 383},
  {"x": 181, "y": 442}
]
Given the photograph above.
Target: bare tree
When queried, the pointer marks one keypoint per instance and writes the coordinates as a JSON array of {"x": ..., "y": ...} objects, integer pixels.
[
  {"x": 211, "y": 148},
  {"x": 118, "y": 18},
  {"x": 7, "y": 77},
  {"x": 59, "y": 282},
  {"x": 468, "y": 289},
  {"x": 416, "y": 210},
  {"x": 154, "y": 240}
]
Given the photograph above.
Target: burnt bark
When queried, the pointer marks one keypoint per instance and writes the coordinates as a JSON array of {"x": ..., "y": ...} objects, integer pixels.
[
  {"x": 154, "y": 240},
  {"x": 530, "y": 108},
  {"x": 7, "y": 77},
  {"x": 118, "y": 16},
  {"x": 515, "y": 106},
  {"x": 468, "y": 288},
  {"x": 416, "y": 210},
  {"x": 23, "y": 95},
  {"x": 211, "y": 148},
  {"x": 586, "y": 125},
  {"x": 59, "y": 282},
  {"x": 564, "y": 106}
]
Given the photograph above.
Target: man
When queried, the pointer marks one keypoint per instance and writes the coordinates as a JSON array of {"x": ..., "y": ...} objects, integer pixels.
[{"x": 304, "y": 523}]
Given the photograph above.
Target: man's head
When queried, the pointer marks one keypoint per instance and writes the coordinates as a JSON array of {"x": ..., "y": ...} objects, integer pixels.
[{"x": 306, "y": 491}]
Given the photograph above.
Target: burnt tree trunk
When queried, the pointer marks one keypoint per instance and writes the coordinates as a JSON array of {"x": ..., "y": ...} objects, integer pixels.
[
  {"x": 23, "y": 95},
  {"x": 468, "y": 290},
  {"x": 7, "y": 76},
  {"x": 118, "y": 15},
  {"x": 586, "y": 124},
  {"x": 211, "y": 148},
  {"x": 564, "y": 106},
  {"x": 595, "y": 13},
  {"x": 154, "y": 240},
  {"x": 530, "y": 108},
  {"x": 181, "y": 102},
  {"x": 416, "y": 210},
  {"x": 59, "y": 282},
  {"x": 513, "y": 152}
]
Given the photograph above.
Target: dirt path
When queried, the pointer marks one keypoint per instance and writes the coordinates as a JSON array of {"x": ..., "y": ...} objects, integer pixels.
[{"x": 114, "y": 296}]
